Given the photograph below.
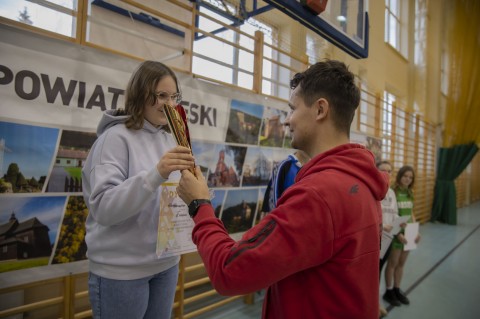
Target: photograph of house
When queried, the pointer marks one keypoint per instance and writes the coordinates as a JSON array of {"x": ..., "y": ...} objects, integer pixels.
[
  {"x": 273, "y": 129},
  {"x": 257, "y": 166},
  {"x": 244, "y": 122},
  {"x": 24, "y": 239},
  {"x": 66, "y": 175},
  {"x": 239, "y": 209},
  {"x": 226, "y": 169},
  {"x": 28, "y": 230}
]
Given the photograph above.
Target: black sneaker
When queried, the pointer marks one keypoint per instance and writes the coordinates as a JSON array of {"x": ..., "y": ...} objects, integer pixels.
[
  {"x": 401, "y": 296},
  {"x": 391, "y": 297}
]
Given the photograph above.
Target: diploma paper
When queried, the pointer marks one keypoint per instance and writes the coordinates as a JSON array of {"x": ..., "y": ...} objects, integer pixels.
[
  {"x": 174, "y": 225},
  {"x": 387, "y": 237},
  {"x": 411, "y": 232}
]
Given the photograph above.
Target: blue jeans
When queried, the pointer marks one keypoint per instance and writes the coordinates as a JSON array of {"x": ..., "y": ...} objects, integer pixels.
[{"x": 145, "y": 298}]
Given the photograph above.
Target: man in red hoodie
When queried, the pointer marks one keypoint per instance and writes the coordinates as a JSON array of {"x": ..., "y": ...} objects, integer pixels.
[{"x": 317, "y": 252}]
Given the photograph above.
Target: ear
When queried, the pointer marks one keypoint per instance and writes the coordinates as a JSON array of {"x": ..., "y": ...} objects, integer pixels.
[{"x": 322, "y": 108}]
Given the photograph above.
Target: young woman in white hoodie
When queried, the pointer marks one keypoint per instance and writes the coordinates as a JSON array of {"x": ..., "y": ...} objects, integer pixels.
[{"x": 132, "y": 156}]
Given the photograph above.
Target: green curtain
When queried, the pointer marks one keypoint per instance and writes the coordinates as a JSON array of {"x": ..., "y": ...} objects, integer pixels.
[{"x": 451, "y": 163}]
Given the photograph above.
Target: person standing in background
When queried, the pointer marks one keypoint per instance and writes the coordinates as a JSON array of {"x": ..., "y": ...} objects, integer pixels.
[
  {"x": 403, "y": 188},
  {"x": 389, "y": 213},
  {"x": 317, "y": 252},
  {"x": 283, "y": 176},
  {"x": 133, "y": 155}
]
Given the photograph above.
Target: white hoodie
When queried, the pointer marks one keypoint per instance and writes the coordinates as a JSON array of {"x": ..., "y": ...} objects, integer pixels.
[{"x": 121, "y": 190}]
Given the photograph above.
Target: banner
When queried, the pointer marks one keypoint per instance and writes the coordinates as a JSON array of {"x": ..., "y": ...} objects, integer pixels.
[{"x": 53, "y": 94}]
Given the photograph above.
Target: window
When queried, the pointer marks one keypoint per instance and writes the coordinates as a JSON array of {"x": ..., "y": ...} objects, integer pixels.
[
  {"x": 387, "y": 112},
  {"x": 420, "y": 32},
  {"x": 387, "y": 124},
  {"x": 363, "y": 111},
  {"x": 420, "y": 55},
  {"x": 395, "y": 25},
  {"x": 269, "y": 69},
  {"x": 250, "y": 27},
  {"x": 222, "y": 61},
  {"x": 311, "y": 49},
  {"x": 5, "y": 249},
  {"x": 51, "y": 15},
  {"x": 366, "y": 110},
  {"x": 392, "y": 23},
  {"x": 213, "y": 58}
]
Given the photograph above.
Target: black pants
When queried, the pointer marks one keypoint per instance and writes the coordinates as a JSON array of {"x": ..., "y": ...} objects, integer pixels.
[{"x": 383, "y": 261}]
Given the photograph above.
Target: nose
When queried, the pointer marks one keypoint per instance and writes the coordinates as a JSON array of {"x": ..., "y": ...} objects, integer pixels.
[{"x": 168, "y": 101}]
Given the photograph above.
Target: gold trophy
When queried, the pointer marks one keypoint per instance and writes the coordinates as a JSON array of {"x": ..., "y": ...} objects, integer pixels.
[{"x": 177, "y": 127}]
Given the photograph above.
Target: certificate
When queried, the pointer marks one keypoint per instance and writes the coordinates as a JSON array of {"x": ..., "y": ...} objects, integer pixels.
[
  {"x": 411, "y": 232},
  {"x": 387, "y": 237},
  {"x": 174, "y": 224}
]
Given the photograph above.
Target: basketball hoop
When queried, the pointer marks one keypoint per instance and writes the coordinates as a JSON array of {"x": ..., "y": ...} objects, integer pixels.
[{"x": 317, "y": 6}]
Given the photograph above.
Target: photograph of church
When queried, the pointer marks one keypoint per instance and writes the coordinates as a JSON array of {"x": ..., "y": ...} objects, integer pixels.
[
  {"x": 28, "y": 230},
  {"x": 24, "y": 239}
]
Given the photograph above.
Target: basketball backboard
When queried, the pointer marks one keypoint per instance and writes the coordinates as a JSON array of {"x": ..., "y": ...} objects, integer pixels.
[{"x": 343, "y": 23}]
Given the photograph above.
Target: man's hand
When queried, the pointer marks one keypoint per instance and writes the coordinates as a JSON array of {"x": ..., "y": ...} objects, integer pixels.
[
  {"x": 192, "y": 187},
  {"x": 176, "y": 159}
]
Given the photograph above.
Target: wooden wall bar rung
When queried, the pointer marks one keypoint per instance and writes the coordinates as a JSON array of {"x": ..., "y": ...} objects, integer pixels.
[
  {"x": 197, "y": 282},
  {"x": 31, "y": 306},
  {"x": 200, "y": 296},
  {"x": 83, "y": 314},
  {"x": 194, "y": 267},
  {"x": 210, "y": 307}
]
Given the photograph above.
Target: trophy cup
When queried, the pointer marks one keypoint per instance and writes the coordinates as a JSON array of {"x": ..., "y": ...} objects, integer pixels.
[{"x": 178, "y": 127}]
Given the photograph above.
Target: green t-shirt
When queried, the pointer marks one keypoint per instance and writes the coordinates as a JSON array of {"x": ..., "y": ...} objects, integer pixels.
[
  {"x": 405, "y": 208},
  {"x": 404, "y": 203}
]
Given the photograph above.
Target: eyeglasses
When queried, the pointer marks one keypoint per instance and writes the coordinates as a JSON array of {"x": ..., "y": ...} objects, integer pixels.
[{"x": 164, "y": 97}]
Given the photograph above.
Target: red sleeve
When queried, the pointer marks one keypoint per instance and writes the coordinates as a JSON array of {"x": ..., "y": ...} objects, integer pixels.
[{"x": 286, "y": 241}]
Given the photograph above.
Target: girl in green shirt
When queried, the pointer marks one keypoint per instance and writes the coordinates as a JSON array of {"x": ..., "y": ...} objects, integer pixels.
[{"x": 403, "y": 188}]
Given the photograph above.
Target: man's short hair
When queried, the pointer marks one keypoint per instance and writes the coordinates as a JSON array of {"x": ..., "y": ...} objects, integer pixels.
[{"x": 330, "y": 79}]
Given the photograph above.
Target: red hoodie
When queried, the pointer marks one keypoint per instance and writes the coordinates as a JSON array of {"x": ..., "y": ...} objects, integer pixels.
[{"x": 317, "y": 252}]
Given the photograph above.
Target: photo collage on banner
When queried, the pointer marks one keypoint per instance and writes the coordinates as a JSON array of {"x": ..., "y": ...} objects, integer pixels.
[{"x": 39, "y": 223}]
